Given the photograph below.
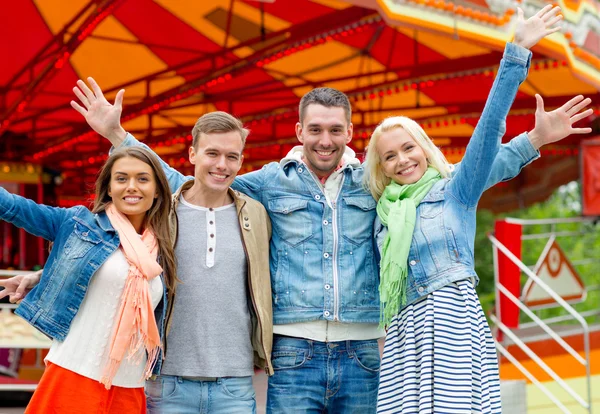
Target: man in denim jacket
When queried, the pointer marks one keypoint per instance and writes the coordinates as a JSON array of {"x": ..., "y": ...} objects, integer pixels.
[{"x": 324, "y": 271}]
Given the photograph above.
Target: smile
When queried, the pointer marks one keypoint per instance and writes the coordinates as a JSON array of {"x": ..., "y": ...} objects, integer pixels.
[
  {"x": 408, "y": 170},
  {"x": 324, "y": 153},
  {"x": 132, "y": 200},
  {"x": 219, "y": 176}
]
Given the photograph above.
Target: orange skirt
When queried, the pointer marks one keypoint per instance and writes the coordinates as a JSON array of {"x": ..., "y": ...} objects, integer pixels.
[{"x": 65, "y": 392}]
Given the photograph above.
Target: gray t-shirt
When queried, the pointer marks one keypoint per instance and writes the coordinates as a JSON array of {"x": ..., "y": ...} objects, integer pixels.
[{"x": 211, "y": 326}]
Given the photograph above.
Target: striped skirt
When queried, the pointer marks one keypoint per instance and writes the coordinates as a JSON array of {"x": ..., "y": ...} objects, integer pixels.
[{"x": 439, "y": 357}]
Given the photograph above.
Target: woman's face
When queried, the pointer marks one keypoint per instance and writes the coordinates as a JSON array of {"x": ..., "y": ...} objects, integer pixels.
[
  {"x": 132, "y": 189},
  {"x": 402, "y": 159}
]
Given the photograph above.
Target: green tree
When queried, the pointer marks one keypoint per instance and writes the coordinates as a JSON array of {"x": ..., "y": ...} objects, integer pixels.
[{"x": 565, "y": 202}]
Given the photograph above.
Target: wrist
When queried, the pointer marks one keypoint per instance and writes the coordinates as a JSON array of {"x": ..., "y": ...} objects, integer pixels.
[
  {"x": 117, "y": 136},
  {"x": 535, "y": 139}
]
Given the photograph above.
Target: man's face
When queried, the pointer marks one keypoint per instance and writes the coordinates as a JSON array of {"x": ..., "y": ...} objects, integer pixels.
[
  {"x": 324, "y": 134},
  {"x": 217, "y": 159}
]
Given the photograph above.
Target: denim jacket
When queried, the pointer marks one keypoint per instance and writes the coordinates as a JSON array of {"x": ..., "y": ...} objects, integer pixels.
[
  {"x": 322, "y": 259},
  {"x": 442, "y": 248},
  {"x": 82, "y": 243}
]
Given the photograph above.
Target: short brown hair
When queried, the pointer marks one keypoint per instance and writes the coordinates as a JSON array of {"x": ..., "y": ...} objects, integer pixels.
[
  {"x": 218, "y": 122},
  {"x": 328, "y": 97}
]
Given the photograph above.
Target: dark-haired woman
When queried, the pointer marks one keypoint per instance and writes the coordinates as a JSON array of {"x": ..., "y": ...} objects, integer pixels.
[{"x": 99, "y": 294}]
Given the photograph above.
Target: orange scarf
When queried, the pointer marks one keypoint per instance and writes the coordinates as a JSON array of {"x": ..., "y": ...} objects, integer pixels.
[{"x": 135, "y": 325}]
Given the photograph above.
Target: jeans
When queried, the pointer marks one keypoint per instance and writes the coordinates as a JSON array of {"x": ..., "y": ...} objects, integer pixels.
[
  {"x": 323, "y": 377},
  {"x": 177, "y": 395}
]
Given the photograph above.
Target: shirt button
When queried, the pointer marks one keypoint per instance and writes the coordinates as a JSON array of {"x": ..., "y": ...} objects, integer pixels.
[
  {"x": 210, "y": 249},
  {"x": 326, "y": 255},
  {"x": 211, "y": 209},
  {"x": 210, "y": 222},
  {"x": 246, "y": 225},
  {"x": 245, "y": 218},
  {"x": 327, "y": 286},
  {"x": 421, "y": 289},
  {"x": 300, "y": 170},
  {"x": 326, "y": 313},
  {"x": 84, "y": 234},
  {"x": 212, "y": 235},
  {"x": 325, "y": 222},
  {"x": 317, "y": 197},
  {"x": 413, "y": 262}
]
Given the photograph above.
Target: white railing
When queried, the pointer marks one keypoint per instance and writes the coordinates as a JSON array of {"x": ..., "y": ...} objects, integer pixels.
[{"x": 573, "y": 314}]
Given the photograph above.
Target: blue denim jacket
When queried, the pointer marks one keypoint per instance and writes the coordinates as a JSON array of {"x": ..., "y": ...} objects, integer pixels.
[
  {"x": 442, "y": 248},
  {"x": 322, "y": 259},
  {"x": 82, "y": 243}
]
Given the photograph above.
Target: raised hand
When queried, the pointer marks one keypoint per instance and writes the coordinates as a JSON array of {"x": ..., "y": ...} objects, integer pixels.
[
  {"x": 101, "y": 115},
  {"x": 17, "y": 287},
  {"x": 558, "y": 124},
  {"x": 529, "y": 32}
]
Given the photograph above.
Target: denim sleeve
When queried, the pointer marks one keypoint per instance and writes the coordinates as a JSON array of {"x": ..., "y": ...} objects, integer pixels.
[
  {"x": 251, "y": 183},
  {"x": 511, "y": 159},
  {"x": 175, "y": 178},
  {"x": 469, "y": 182},
  {"x": 37, "y": 219}
]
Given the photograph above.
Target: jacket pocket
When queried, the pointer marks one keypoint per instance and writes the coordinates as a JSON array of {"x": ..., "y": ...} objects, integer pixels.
[
  {"x": 291, "y": 219},
  {"x": 81, "y": 240},
  {"x": 432, "y": 205},
  {"x": 358, "y": 216}
]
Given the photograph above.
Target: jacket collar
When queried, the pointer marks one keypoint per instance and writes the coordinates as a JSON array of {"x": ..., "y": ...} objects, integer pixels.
[
  {"x": 104, "y": 222},
  {"x": 238, "y": 200}
]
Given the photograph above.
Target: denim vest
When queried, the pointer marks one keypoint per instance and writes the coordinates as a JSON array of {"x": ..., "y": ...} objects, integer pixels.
[
  {"x": 442, "y": 248},
  {"x": 82, "y": 243}
]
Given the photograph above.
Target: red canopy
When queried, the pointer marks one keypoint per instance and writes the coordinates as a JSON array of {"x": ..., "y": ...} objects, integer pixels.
[{"x": 255, "y": 59}]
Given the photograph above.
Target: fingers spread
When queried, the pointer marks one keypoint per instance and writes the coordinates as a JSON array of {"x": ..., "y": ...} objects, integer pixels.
[
  {"x": 545, "y": 10},
  {"x": 539, "y": 102},
  {"x": 579, "y": 117},
  {"x": 554, "y": 20},
  {"x": 549, "y": 12},
  {"x": 97, "y": 91},
  {"x": 78, "y": 108},
  {"x": 84, "y": 88},
  {"x": 84, "y": 100},
  {"x": 578, "y": 107},
  {"x": 119, "y": 98},
  {"x": 581, "y": 130},
  {"x": 571, "y": 103}
]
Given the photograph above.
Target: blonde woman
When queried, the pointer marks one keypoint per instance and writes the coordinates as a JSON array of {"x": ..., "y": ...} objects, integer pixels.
[{"x": 439, "y": 355}]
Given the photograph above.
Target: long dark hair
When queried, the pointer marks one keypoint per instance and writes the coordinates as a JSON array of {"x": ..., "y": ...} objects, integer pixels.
[{"x": 157, "y": 217}]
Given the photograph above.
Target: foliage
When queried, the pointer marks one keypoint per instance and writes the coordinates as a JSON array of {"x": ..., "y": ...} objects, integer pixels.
[{"x": 565, "y": 202}]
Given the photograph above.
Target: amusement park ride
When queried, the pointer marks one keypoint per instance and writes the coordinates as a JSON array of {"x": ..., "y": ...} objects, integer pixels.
[{"x": 431, "y": 60}]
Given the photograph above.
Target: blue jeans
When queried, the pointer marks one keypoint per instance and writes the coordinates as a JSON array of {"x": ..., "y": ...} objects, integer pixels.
[
  {"x": 177, "y": 395},
  {"x": 323, "y": 377}
]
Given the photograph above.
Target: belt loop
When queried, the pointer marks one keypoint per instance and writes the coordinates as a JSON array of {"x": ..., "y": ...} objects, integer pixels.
[
  {"x": 310, "y": 349},
  {"x": 348, "y": 345},
  {"x": 180, "y": 380}
]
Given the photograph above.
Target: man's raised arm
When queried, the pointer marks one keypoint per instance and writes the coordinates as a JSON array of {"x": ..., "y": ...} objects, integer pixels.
[{"x": 105, "y": 118}]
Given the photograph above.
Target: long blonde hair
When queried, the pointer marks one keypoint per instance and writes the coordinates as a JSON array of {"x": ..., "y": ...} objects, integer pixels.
[{"x": 375, "y": 180}]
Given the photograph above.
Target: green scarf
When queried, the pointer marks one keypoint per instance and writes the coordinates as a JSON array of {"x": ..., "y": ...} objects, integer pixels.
[{"x": 397, "y": 209}]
